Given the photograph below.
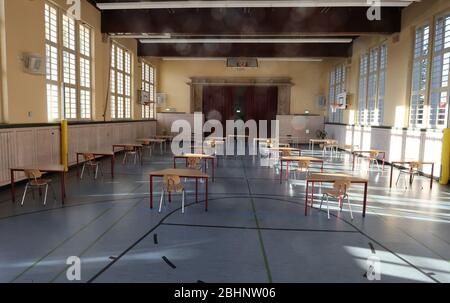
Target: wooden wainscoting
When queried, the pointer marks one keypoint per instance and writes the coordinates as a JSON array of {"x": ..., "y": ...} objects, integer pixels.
[{"x": 31, "y": 145}]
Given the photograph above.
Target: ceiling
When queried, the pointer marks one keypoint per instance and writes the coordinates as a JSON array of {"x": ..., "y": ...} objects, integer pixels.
[{"x": 252, "y": 28}]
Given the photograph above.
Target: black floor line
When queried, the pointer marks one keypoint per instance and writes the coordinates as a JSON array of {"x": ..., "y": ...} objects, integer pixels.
[
  {"x": 261, "y": 228},
  {"x": 372, "y": 248},
  {"x": 155, "y": 238},
  {"x": 168, "y": 262}
]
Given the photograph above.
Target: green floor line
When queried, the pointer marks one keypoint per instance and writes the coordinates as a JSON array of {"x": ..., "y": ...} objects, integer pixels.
[
  {"x": 98, "y": 238},
  {"x": 59, "y": 245}
]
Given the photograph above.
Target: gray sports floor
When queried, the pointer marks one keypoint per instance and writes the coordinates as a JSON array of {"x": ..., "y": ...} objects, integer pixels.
[{"x": 255, "y": 230}]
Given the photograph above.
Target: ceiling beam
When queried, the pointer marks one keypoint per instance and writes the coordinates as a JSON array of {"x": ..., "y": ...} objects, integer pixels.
[
  {"x": 246, "y": 50},
  {"x": 259, "y": 21},
  {"x": 246, "y": 4}
]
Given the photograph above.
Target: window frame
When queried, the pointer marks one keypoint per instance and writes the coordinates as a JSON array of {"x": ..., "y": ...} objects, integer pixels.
[
  {"x": 336, "y": 85},
  {"x": 148, "y": 111},
  {"x": 115, "y": 84}
]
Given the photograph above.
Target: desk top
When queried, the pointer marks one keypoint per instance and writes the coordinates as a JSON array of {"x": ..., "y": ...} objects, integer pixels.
[
  {"x": 323, "y": 140},
  {"x": 151, "y": 140},
  {"x": 203, "y": 156},
  {"x": 41, "y": 167},
  {"x": 127, "y": 144},
  {"x": 368, "y": 151},
  {"x": 332, "y": 177},
  {"x": 97, "y": 153},
  {"x": 285, "y": 148},
  {"x": 411, "y": 161},
  {"x": 182, "y": 172},
  {"x": 301, "y": 158},
  {"x": 164, "y": 137}
]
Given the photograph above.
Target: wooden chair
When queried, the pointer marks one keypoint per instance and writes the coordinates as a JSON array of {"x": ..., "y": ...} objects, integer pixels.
[
  {"x": 35, "y": 181},
  {"x": 89, "y": 160},
  {"x": 147, "y": 145},
  {"x": 130, "y": 151},
  {"x": 303, "y": 166},
  {"x": 172, "y": 184},
  {"x": 330, "y": 145},
  {"x": 339, "y": 192},
  {"x": 412, "y": 171},
  {"x": 373, "y": 158}
]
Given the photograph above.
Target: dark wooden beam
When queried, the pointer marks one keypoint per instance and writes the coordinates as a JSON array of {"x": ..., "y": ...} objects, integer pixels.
[
  {"x": 245, "y": 50},
  {"x": 279, "y": 21}
]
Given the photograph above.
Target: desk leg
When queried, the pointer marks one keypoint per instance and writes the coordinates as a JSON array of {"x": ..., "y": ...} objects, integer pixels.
[
  {"x": 306, "y": 198},
  {"x": 151, "y": 192},
  {"x": 206, "y": 195},
  {"x": 281, "y": 171},
  {"x": 13, "y": 190},
  {"x": 431, "y": 177},
  {"x": 78, "y": 169},
  {"x": 312, "y": 194},
  {"x": 213, "y": 170},
  {"x": 384, "y": 160},
  {"x": 113, "y": 163},
  {"x": 174, "y": 162},
  {"x": 365, "y": 200},
  {"x": 63, "y": 187},
  {"x": 353, "y": 162},
  {"x": 196, "y": 190},
  {"x": 321, "y": 168},
  {"x": 392, "y": 173}
]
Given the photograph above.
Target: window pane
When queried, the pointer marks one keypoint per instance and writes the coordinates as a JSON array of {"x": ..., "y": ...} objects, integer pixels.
[
  {"x": 68, "y": 27},
  {"x": 85, "y": 104},
  {"x": 85, "y": 73},
  {"x": 70, "y": 103},
  {"x": 85, "y": 41},
  {"x": 51, "y": 24},
  {"x": 52, "y": 62},
  {"x": 69, "y": 68},
  {"x": 52, "y": 102}
]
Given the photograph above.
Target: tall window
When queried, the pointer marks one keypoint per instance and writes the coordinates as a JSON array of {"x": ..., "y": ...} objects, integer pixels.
[
  {"x": 336, "y": 87},
  {"x": 430, "y": 87},
  {"x": 148, "y": 85},
  {"x": 440, "y": 89},
  {"x": 420, "y": 76},
  {"x": 372, "y": 75},
  {"x": 120, "y": 82},
  {"x": 68, "y": 43}
]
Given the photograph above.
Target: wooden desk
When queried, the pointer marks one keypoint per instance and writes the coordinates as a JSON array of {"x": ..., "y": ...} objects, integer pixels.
[
  {"x": 410, "y": 177},
  {"x": 147, "y": 141},
  {"x": 284, "y": 149},
  {"x": 360, "y": 152},
  {"x": 203, "y": 157},
  {"x": 48, "y": 168},
  {"x": 97, "y": 154},
  {"x": 320, "y": 141},
  {"x": 182, "y": 173},
  {"x": 295, "y": 159},
  {"x": 124, "y": 145},
  {"x": 331, "y": 178}
]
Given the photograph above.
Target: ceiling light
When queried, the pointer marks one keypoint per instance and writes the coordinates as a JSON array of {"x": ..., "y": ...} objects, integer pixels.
[
  {"x": 249, "y": 4},
  {"x": 248, "y": 40}
]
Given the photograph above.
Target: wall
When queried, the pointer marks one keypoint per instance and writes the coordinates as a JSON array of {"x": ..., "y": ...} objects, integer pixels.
[
  {"x": 31, "y": 146},
  {"x": 399, "y": 62},
  {"x": 23, "y": 31},
  {"x": 310, "y": 79}
]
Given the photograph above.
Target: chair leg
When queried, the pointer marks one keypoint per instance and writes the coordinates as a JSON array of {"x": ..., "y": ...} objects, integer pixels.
[
  {"x": 53, "y": 191},
  {"x": 182, "y": 202},
  {"x": 161, "y": 200},
  {"x": 24, "y": 194},
  {"x": 82, "y": 170},
  {"x": 135, "y": 157},
  {"x": 45, "y": 196},
  {"x": 328, "y": 209},
  {"x": 124, "y": 158},
  {"x": 349, "y": 207},
  {"x": 96, "y": 171},
  {"x": 321, "y": 202},
  {"x": 398, "y": 179}
]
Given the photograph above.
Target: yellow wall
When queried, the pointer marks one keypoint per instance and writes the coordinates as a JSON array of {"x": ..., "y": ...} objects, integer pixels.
[
  {"x": 23, "y": 31},
  {"x": 399, "y": 62},
  {"x": 310, "y": 79}
]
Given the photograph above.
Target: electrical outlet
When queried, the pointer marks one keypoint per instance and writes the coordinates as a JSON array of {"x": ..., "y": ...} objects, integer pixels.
[
  {"x": 307, "y": 131},
  {"x": 30, "y": 114}
]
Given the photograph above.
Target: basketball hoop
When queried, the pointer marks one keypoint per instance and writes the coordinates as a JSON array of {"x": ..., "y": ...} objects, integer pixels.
[{"x": 334, "y": 107}]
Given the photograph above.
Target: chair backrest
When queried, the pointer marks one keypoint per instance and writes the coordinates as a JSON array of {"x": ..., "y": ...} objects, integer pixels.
[
  {"x": 348, "y": 146},
  {"x": 193, "y": 163},
  {"x": 415, "y": 165},
  {"x": 285, "y": 153},
  {"x": 342, "y": 186},
  {"x": 88, "y": 157},
  {"x": 172, "y": 183},
  {"x": 33, "y": 173},
  {"x": 130, "y": 148},
  {"x": 146, "y": 142},
  {"x": 303, "y": 164},
  {"x": 373, "y": 154}
]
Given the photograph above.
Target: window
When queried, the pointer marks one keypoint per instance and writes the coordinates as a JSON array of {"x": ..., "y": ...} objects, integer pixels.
[
  {"x": 430, "y": 87},
  {"x": 440, "y": 89},
  {"x": 336, "y": 87},
  {"x": 372, "y": 76},
  {"x": 148, "y": 85},
  {"x": 419, "y": 76},
  {"x": 69, "y": 63},
  {"x": 120, "y": 82}
]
